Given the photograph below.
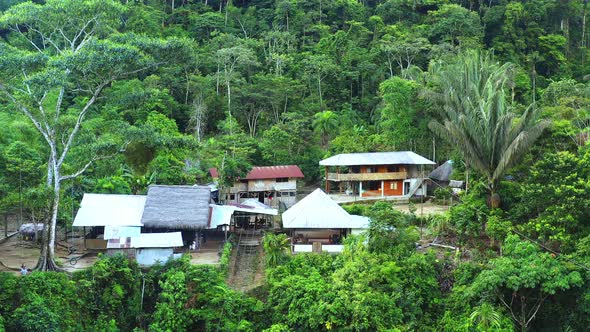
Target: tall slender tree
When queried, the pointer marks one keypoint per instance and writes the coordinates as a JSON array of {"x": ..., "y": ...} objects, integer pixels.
[
  {"x": 477, "y": 119},
  {"x": 59, "y": 59}
]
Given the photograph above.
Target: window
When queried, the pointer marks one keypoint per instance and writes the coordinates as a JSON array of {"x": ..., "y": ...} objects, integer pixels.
[
  {"x": 292, "y": 194},
  {"x": 393, "y": 186},
  {"x": 372, "y": 169},
  {"x": 282, "y": 179},
  {"x": 373, "y": 185},
  {"x": 232, "y": 197},
  {"x": 393, "y": 168}
]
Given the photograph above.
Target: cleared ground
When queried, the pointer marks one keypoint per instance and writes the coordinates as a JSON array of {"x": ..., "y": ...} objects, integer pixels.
[
  {"x": 15, "y": 251},
  {"x": 422, "y": 209}
]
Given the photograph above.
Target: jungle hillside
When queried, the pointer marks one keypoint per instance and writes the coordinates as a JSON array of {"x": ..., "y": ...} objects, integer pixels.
[{"x": 112, "y": 96}]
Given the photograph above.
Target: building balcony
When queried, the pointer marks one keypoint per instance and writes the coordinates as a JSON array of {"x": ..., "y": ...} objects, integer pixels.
[
  {"x": 238, "y": 187},
  {"x": 271, "y": 186},
  {"x": 367, "y": 176}
]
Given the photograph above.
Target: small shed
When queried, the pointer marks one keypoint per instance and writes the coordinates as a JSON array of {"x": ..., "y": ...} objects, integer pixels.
[
  {"x": 441, "y": 177},
  {"x": 146, "y": 248},
  {"x": 155, "y": 247}
]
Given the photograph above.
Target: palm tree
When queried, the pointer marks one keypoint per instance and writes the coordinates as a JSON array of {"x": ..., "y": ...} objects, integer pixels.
[
  {"x": 325, "y": 123},
  {"x": 485, "y": 317},
  {"x": 276, "y": 248},
  {"x": 477, "y": 119}
]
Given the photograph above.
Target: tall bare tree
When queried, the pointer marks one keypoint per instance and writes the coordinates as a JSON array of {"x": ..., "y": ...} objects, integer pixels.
[{"x": 60, "y": 58}]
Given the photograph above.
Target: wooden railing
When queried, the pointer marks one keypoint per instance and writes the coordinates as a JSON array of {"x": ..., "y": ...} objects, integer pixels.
[
  {"x": 367, "y": 176},
  {"x": 253, "y": 186},
  {"x": 238, "y": 187}
]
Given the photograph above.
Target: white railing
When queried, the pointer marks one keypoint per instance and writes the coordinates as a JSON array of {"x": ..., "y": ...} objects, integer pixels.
[{"x": 331, "y": 248}]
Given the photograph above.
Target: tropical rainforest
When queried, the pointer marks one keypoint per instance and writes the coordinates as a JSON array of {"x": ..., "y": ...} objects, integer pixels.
[{"x": 110, "y": 96}]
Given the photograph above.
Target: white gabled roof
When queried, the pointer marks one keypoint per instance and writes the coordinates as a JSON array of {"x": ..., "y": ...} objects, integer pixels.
[
  {"x": 157, "y": 240},
  {"x": 110, "y": 210},
  {"x": 376, "y": 158},
  {"x": 318, "y": 210}
]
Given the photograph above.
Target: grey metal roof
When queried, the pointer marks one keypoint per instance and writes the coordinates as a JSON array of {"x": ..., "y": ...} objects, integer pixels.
[
  {"x": 318, "y": 210},
  {"x": 442, "y": 172},
  {"x": 177, "y": 207},
  {"x": 110, "y": 209},
  {"x": 376, "y": 158}
]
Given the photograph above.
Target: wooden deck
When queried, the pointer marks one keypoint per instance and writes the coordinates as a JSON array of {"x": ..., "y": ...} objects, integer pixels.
[
  {"x": 343, "y": 199},
  {"x": 367, "y": 176}
]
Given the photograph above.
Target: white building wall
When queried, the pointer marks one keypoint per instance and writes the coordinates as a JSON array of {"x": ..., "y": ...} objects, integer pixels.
[{"x": 149, "y": 256}]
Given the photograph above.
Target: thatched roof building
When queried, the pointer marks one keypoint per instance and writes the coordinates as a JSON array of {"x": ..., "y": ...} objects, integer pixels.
[
  {"x": 442, "y": 172},
  {"x": 177, "y": 207}
]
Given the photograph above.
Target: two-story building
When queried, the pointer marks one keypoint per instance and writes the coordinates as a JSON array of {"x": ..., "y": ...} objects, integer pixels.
[
  {"x": 377, "y": 174},
  {"x": 271, "y": 185}
]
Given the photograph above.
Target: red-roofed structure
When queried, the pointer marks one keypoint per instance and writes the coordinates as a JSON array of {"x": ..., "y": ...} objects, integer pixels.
[
  {"x": 268, "y": 172},
  {"x": 269, "y": 184}
]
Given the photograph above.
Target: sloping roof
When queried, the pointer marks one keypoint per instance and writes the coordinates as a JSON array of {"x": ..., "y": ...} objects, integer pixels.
[
  {"x": 318, "y": 210},
  {"x": 177, "y": 207},
  {"x": 221, "y": 214},
  {"x": 268, "y": 172},
  {"x": 254, "y": 203},
  {"x": 376, "y": 158},
  {"x": 157, "y": 240},
  {"x": 112, "y": 210},
  {"x": 442, "y": 172}
]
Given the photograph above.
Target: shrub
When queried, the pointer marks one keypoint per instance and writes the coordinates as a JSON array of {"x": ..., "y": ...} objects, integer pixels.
[
  {"x": 225, "y": 258},
  {"x": 35, "y": 316},
  {"x": 443, "y": 194}
]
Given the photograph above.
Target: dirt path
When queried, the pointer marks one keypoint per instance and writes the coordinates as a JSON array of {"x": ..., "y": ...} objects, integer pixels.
[{"x": 246, "y": 267}]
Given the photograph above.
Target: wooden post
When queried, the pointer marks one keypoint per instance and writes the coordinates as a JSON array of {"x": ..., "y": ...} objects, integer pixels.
[
  {"x": 382, "y": 188},
  {"x": 327, "y": 182}
]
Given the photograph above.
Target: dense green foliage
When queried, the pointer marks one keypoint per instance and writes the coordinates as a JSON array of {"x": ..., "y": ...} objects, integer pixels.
[
  {"x": 168, "y": 89},
  {"x": 236, "y": 84},
  {"x": 115, "y": 295}
]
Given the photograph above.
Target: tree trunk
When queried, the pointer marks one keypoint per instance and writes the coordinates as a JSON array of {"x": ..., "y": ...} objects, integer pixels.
[
  {"x": 494, "y": 200},
  {"x": 46, "y": 260},
  {"x": 320, "y": 94}
]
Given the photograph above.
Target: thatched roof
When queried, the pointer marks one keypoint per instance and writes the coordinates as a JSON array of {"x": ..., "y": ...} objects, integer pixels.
[
  {"x": 177, "y": 207},
  {"x": 442, "y": 172}
]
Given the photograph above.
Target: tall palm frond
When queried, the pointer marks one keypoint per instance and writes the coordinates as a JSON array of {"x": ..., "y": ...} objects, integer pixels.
[{"x": 477, "y": 118}]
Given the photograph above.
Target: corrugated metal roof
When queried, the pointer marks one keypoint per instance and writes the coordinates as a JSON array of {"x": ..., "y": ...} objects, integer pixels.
[
  {"x": 318, "y": 210},
  {"x": 111, "y": 210},
  {"x": 268, "y": 172},
  {"x": 157, "y": 240},
  {"x": 177, "y": 207},
  {"x": 376, "y": 158}
]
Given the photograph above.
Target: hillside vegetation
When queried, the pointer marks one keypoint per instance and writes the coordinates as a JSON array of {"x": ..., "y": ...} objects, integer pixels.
[{"x": 109, "y": 96}]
